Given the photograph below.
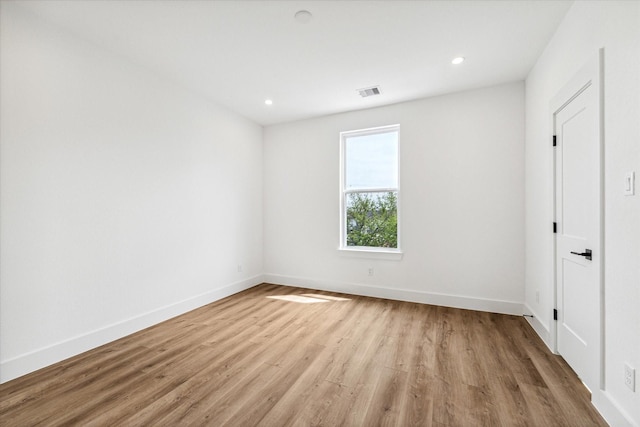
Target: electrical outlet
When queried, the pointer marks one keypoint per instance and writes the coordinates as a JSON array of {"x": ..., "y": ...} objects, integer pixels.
[
  {"x": 239, "y": 268},
  {"x": 630, "y": 377},
  {"x": 537, "y": 296},
  {"x": 370, "y": 271}
]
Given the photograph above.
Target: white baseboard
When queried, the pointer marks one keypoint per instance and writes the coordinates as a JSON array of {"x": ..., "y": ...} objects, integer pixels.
[
  {"x": 40, "y": 358},
  {"x": 613, "y": 414},
  {"x": 456, "y": 301},
  {"x": 542, "y": 330}
]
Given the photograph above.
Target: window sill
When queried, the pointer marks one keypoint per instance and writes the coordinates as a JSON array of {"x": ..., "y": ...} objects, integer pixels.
[{"x": 371, "y": 253}]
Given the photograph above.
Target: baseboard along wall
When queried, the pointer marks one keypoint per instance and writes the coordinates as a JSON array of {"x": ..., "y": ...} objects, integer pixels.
[
  {"x": 40, "y": 358},
  {"x": 446, "y": 300}
]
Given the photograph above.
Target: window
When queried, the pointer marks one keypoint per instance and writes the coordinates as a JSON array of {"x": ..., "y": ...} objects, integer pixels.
[{"x": 370, "y": 190}]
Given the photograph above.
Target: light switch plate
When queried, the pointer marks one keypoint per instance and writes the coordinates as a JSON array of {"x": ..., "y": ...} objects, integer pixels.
[{"x": 629, "y": 183}]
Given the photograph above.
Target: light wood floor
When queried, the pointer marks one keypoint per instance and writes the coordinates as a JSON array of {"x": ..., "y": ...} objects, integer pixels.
[{"x": 343, "y": 360}]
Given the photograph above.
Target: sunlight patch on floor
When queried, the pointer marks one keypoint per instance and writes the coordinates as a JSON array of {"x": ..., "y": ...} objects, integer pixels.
[
  {"x": 329, "y": 297},
  {"x": 298, "y": 298},
  {"x": 308, "y": 298}
]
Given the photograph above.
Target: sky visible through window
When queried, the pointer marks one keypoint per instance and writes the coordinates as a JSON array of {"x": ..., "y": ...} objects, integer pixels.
[{"x": 372, "y": 161}]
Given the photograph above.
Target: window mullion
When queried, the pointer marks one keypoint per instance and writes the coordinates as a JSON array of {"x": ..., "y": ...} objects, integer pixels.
[{"x": 371, "y": 190}]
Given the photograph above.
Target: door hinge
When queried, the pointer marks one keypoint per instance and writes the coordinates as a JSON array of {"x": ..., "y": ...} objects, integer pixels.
[
  {"x": 555, "y": 227},
  {"x": 554, "y": 140},
  {"x": 555, "y": 314}
]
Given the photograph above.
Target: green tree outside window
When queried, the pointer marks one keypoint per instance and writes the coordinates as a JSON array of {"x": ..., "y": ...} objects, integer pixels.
[{"x": 372, "y": 219}]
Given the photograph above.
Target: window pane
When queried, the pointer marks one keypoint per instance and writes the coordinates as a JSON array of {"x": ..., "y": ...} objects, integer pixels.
[
  {"x": 372, "y": 161},
  {"x": 372, "y": 219}
]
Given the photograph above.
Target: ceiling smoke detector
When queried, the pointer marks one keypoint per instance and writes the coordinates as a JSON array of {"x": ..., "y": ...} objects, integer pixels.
[{"x": 370, "y": 91}]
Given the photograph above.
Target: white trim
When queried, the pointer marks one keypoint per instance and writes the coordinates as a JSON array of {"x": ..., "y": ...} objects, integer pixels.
[
  {"x": 409, "y": 295},
  {"x": 371, "y": 190},
  {"x": 611, "y": 411},
  {"x": 40, "y": 358},
  {"x": 538, "y": 326},
  {"x": 344, "y": 191},
  {"x": 370, "y": 253}
]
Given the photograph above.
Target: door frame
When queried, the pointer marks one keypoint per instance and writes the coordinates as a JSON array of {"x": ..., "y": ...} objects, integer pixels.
[{"x": 591, "y": 73}]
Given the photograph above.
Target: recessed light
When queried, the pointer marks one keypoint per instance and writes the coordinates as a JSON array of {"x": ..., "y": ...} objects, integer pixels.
[
  {"x": 303, "y": 16},
  {"x": 458, "y": 60},
  {"x": 268, "y": 102}
]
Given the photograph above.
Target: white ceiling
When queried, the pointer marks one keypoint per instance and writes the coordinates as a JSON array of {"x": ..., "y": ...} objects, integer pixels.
[{"x": 239, "y": 53}]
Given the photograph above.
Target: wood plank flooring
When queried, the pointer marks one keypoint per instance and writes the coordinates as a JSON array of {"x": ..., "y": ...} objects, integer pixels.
[{"x": 326, "y": 360}]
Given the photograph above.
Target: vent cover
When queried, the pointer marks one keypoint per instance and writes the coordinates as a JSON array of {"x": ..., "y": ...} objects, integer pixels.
[{"x": 370, "y": 91}]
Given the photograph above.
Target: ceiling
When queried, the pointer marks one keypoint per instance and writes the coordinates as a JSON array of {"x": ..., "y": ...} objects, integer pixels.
[{"x": 240, "y": 53}]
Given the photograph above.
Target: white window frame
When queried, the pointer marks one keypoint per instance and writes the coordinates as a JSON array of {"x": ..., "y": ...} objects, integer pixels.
[{"x": 367, "y": 251}]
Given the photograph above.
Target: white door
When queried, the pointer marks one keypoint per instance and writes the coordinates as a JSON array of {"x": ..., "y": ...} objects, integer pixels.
[{"x": 576, "y": 121}]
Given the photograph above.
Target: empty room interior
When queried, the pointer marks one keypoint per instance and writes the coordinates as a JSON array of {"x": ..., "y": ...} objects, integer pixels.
[{"x": 320, "y": 213}]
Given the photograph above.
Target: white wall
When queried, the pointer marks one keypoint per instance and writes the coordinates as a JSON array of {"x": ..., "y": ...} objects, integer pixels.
[
  {"x": 124, "y": 200},
  {"x": 462, "y": 208},
  {"x": 590, "y": 25}
]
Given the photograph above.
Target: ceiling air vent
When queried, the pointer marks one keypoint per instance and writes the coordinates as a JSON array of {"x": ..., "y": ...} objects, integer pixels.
[{"x": 370, "y": 91}]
